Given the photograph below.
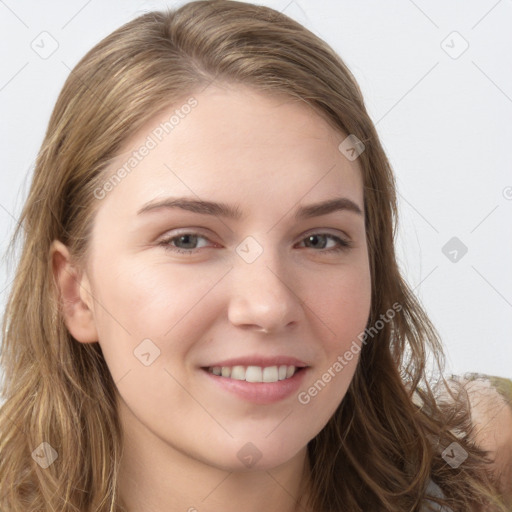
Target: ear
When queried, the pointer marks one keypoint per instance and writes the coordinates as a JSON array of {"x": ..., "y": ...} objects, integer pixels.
[{"x": 75, "y": 296}]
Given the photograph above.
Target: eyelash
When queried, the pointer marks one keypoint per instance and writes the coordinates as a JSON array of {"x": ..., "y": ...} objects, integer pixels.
[{"x": 344, "y": 245}]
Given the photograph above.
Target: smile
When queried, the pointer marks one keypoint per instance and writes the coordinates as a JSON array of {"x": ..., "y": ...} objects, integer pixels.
[
  {"x": 255, "y": 373},
  {"x": 261, "y": 385}
]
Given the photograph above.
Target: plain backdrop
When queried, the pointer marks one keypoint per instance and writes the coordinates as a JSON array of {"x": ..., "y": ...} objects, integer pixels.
[{"x": 437, "y": 80}]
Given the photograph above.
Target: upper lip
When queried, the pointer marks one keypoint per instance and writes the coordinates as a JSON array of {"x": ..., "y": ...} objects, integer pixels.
[{"x": 260, "y": 361}]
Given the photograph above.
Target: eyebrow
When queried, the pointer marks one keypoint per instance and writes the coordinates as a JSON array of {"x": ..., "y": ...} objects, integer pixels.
[{"x": 234, "y": 212}]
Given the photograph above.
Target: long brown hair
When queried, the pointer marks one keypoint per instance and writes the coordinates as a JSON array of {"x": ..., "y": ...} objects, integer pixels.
[{"x": 386, "y": 439}]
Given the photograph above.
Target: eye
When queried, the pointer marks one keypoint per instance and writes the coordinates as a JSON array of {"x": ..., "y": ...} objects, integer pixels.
[
  {"x": 316, "y": 240},
  {"x": 186, "y": 243},
  {"x": 183, "y": 239}
]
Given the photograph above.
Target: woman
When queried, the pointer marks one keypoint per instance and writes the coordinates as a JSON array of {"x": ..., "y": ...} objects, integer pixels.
[{"x": 278, "y": 365}]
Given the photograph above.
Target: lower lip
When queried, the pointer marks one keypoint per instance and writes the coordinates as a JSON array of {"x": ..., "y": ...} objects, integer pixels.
[{"x": 260, "y": 392}]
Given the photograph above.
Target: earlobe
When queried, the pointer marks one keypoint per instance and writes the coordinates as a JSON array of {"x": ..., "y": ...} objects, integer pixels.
[{"x": 75, "y": 298}]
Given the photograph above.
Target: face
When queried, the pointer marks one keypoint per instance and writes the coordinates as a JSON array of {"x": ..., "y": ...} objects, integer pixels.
[{"x": 267, "y": 287}]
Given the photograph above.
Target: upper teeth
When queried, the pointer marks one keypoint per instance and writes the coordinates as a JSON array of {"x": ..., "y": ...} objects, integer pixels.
[{"x": 255, "y": 373}]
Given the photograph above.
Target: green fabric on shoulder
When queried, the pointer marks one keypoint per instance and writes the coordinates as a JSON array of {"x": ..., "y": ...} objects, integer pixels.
[{"x": 502, "y": 385}]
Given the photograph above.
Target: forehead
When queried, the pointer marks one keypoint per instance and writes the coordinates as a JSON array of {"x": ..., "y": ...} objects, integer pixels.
[{"x": 235, "y": 141}]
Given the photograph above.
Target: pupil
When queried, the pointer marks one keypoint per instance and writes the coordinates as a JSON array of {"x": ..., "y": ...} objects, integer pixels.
[
  {"x": 312, "y": 237},
  {"x": 185, "y": 237}
]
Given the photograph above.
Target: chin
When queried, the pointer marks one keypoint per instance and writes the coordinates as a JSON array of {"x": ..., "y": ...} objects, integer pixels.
[{"x": 257, "y": 455}]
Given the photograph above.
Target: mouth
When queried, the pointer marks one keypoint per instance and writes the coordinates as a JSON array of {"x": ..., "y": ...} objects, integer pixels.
[
  {"x": 259, "y": 385},
  {"x": 265, "y": 374}
]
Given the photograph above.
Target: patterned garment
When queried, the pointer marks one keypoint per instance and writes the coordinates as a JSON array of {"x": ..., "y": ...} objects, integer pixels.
[
  {"x": 501, "y": 385},
  {"x": 504, "y": 388}
]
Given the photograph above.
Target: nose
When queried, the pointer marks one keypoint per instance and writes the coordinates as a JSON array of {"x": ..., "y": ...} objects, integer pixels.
[{"x": 263, "y": 295}]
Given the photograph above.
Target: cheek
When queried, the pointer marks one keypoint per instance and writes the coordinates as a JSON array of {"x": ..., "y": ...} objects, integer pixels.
[
  {"x": 343, "y": 308},
  {"x": 342, "y": 303},
  {"x": 148, "y": 299},
  {"x": 140, "y": 300}
]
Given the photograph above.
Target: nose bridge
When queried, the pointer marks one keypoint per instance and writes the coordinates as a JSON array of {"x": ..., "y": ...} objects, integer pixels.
[{"x": 262, "y": 293}]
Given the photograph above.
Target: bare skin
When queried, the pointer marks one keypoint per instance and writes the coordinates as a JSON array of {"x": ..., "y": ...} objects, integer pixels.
[{"x": 184, "y": 433}]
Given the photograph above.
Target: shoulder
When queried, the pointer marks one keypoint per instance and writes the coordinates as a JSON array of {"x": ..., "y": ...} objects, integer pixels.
[
  {"x": 490, "y": 403},
  {"x": 491, "y": 413},
  {"x": 433, "y": 490}
]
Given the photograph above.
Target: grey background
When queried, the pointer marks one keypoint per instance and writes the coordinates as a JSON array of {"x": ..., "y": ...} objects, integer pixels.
[{"x": 443, "y": 111}]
